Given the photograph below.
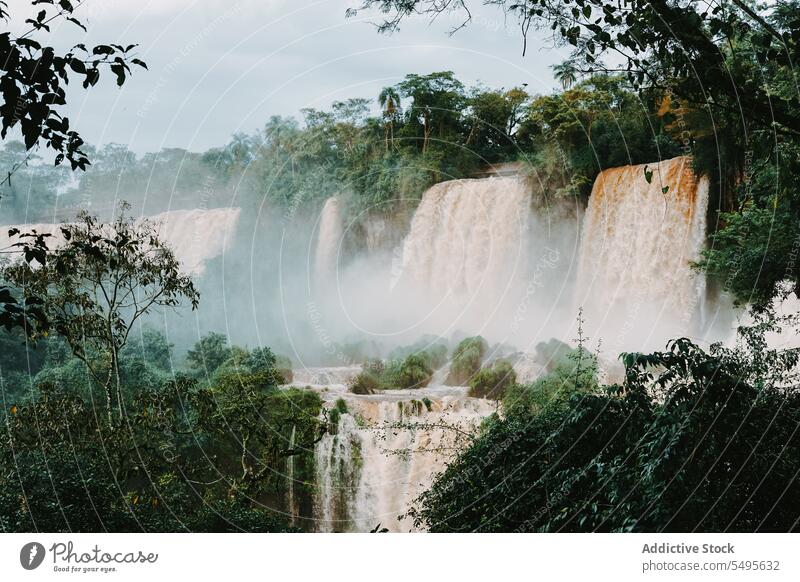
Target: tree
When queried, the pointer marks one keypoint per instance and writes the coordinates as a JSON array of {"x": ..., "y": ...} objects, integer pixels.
[
  {"x": 725, "y": 69},
  {"x": 389, "y": 100},
  {"x": 32, "y": 84},
  {"x": 96, "y": 287},
  {"x": 436, "y": 102},
  {"x": 467, "y": 359},
  {"x": 495, "y": 117},
  {"x": 209, "y": 353},
  {"x": 694, "y": 440},
  {"x": 34, "y": 77}
]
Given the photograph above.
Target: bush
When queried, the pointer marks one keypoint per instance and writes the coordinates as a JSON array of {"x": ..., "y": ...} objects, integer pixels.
[
  {"x": 434, "y": 352},
  {"x": 365, "y": 383},
  {"x": 413, "y": 372},
  {"x": 467, "y": 359},
  {"x": 335, "y": 413},
  {"x": 493, "y": 381},
  {"x": 693, "y": 441},
  {"x": 572, "y": 370}
]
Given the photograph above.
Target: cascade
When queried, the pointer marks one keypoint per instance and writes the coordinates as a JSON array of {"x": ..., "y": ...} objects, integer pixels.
[
  {"x": 385, "y": 451},
  {"x": 468, "y": 238},
  {"x": 635, "y": 280},
  {"x": 195, "y": 236},
  {"x": 328, "y": 240}
]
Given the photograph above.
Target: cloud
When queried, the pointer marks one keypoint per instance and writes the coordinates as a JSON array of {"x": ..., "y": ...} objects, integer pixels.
[{"x": 218, "y": 67}]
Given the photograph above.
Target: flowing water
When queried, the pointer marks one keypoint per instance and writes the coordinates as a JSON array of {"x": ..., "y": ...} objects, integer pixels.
[
  {"x": 195, "y": 236},
  {"x": 470, "y": 239},
  {"x": 478, "y": 258},
  {"x": 638, "y": 240},
  {"x": 328, "y": 241},
  {"x": 385, "y": 450}
]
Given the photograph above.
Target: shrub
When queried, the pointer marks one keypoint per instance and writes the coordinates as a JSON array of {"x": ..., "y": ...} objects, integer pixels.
[
  {"x": 493, "y": 381},
  {"x": 365, "y": 383},
  {"x": 413, "y": 372},
  {"x": 574, "y": 370},
  {"x": 467, "y": 359},
  {"x": 434, "y": 352},
  {"x": 335, "y": 413}
]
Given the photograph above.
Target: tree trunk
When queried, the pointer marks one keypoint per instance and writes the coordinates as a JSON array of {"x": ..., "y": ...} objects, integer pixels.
[
  {"x": 426, "y": 131},
  {"x": 118, "y": 384}
]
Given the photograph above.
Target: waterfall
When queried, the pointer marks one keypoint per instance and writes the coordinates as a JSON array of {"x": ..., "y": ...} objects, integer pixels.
[
  {"x": 469, "y": 237},
  {"x": 635, "y": 280},
  {"x": 195, "y": 236},
  {"x": 328, "y": 240},
  {"x": 385, "y": 451}
]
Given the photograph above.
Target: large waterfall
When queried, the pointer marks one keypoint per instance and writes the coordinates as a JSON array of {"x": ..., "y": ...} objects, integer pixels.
[
  {"x": 195, "y": 236},
  {"x": 639, "y": 237},
  {"x": 469, "y": 238}
]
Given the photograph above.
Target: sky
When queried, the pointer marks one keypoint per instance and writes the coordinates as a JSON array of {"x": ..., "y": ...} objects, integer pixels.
[{"x": 217, "y": 68}]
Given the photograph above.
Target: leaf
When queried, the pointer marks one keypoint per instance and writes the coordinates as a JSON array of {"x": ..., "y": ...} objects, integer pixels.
[
  {"x": 78, "y": 66},
  {"x": 77, "y": 22},
  {"x": 119, "y": 71},
  {"x": 648, "y": 175},
  {"x": 102, "y": 49}
]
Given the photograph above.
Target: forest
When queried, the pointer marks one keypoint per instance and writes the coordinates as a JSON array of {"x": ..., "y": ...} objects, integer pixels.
[{"x": 111, "y": 425}]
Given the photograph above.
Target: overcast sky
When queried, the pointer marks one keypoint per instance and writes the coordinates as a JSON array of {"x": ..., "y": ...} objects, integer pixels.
[{"x": 219, "y": 67}]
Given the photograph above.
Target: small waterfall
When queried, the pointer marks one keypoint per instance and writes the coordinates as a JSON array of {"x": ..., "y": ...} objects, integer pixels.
[
  {"x": 385, "y": 451},
  {"x": 195, "y": 236},
  {"x": 328, "y": 240},
  {"x": 635, "y": 280}
]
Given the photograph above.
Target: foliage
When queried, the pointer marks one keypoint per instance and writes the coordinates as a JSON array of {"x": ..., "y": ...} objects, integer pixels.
[
  {"x": 35, "y": 75},
  {"x": 97, "y": 285},
  {"x": 492, "y": 381},
  {"x": 429, "y": 348},
  {"x": 365, "y": 382},
  {"x": 573, "y": 371},
  {"x": 411, "y": 372},
  {"x": 208, "y": 354},
  {"x": 190, "y": 457},
  {"x": 467, "y": 359},
  {"x": 335, "y": 413},
  {"x": 693, "y": 441}
]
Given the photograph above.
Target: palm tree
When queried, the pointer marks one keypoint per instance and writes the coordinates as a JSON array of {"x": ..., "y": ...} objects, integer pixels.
[
  {"x": 566, "y": 74},
  {"x": 390, "y": 105}
]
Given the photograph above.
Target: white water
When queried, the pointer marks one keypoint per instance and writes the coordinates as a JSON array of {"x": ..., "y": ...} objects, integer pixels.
[
  {"x": 328, "y": 240},
  {"x": 195, "y": 236},
  {"x": 476, "y": 259},
  {"x": 469, "y": 238},
  {"x": 635, "y": 281},
  {"x": 386, "y": 451}
]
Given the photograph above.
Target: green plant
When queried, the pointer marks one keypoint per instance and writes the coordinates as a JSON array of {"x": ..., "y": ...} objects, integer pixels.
[
  {"x": 467, "y": 359},
  {"x": 493, "y": 381}
]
